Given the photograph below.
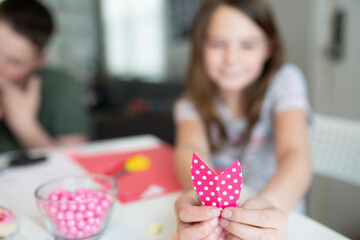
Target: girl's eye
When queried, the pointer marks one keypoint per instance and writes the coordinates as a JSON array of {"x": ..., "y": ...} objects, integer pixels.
[
  {"x": 248, "y": 45},
  {"x": 216, "y": 44}
]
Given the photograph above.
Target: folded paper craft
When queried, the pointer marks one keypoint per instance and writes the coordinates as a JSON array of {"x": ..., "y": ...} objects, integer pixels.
[{"x": 221, "y": 190}]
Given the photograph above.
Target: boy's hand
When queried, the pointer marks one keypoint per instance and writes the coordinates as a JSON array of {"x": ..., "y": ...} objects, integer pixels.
[
  {"x": 257, "y": 218},
  {"x": 20, "y": 106},
  {"x": 197, "y": 222}
]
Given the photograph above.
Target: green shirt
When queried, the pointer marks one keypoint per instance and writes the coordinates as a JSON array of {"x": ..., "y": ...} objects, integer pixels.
[{"x": 61, "y": 111}]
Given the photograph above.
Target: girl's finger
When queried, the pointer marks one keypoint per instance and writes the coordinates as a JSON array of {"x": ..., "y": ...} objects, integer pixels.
[
  {"x": 223, "y": 235},
  {"x": 248, "y": 232},
  {"x": 231, "y": 236},
  {"x": 197, "y": 214},
  {"x": 198, "y": 230},
  {"x": 188, "y": 209},
  {"x": 216, "y": 234},
  {"x": 266, "y": 218}
]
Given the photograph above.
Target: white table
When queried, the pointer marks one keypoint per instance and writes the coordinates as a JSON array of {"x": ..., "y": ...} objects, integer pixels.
[{"x": 128, "y": 221}]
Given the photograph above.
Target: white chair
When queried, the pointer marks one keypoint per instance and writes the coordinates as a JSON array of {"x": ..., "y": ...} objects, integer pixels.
[
  {"x": 335, "y": 148},
  {"x": 334, "y": 196}
]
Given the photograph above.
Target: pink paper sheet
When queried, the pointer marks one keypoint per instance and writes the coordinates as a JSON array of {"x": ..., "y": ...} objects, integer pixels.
[{"x": 158, "y": 180}]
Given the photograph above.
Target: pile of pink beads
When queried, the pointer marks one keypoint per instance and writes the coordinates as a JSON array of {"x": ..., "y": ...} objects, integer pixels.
[{"x": 79, "y": 214}]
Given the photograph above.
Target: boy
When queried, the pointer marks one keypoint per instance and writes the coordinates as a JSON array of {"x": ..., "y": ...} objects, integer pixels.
[{"x": 39, "y": 107}]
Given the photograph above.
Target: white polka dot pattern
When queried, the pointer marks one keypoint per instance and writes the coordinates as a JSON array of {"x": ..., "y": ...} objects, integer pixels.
[{"x": 221, "y": 190}]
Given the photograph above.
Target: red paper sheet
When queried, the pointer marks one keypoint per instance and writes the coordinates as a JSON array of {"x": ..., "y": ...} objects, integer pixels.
[{"x": 158, "y": 180}]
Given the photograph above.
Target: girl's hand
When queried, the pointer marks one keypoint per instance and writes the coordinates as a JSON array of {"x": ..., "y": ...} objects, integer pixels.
[
  {"x": 257, "y": 218},
  {"x": 197, "y": 222}
]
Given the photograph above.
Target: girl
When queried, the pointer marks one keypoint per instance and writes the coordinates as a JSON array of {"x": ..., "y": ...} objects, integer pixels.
[{"x": 242, "y": 103}]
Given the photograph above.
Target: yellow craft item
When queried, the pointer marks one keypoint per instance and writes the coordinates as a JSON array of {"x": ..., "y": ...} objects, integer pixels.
[
  {"x": 154, "y": 228},
  {"x": 137, "y": 163}
]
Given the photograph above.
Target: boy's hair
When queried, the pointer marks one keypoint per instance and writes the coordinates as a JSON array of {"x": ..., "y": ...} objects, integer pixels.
[
  {"x": 28, "y": 18},
  {"x": 201, "y": 90}
]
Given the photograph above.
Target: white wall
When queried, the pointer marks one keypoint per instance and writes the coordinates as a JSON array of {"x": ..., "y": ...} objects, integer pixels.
[{"x": 293, "y": 20}]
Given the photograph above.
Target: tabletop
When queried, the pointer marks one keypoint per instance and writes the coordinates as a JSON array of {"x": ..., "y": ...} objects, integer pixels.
[{"x": 129, "y": 220}]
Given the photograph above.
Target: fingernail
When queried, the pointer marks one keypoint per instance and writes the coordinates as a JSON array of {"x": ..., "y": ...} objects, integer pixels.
[
  {"x": 224, "y": 222},
  {"x": 218, "y": 229},
  {"x": 226, "y": 213},
  {"x": 214, "y": 222},
  {"x": 214, "y": 212}
]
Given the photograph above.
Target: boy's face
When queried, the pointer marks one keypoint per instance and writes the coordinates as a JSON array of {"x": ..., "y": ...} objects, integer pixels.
[{"x": 18, "y": 56}]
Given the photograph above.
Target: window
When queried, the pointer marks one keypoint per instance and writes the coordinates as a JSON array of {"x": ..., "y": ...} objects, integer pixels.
[{"x": 134, "y": 36}]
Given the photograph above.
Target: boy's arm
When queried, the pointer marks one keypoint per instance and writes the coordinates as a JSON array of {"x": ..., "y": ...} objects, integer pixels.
[
  {"x": 32, "y": 135},
  {"x": 19, "y": 109},
  {"x": 293, "y": 175},
  {"x": 1, "y": 111},
  {"x": 191, "y": 138}
]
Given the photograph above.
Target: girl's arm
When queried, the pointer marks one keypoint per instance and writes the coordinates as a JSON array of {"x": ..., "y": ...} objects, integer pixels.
[
  {"x": 190, "y": 138},
  {"x": 293, "y": 175}
]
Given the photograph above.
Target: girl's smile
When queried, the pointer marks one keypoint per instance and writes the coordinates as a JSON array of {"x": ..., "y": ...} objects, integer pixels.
[{"x": 236, "y": 49}]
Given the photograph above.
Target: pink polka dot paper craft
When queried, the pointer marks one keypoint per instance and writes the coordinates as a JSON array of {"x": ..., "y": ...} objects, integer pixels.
[{"x": 221, "y": 190}]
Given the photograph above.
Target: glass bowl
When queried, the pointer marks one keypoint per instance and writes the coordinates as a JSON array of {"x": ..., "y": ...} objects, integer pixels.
[{"x": 77, "y": 207}]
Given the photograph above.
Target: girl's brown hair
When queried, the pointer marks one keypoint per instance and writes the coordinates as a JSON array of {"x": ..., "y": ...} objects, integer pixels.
[{"x": 202, "y": 91}]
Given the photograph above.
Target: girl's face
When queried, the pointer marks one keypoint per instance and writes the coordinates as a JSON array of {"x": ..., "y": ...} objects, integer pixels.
[{"x": 235, "y": 50}]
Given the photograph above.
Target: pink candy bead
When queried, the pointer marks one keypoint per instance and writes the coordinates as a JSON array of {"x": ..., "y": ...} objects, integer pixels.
[
  {"x": 89, "y": 214},
  {"x": 81, "y": 224},
  {"x": 63, "y": 206},
  {"x": 57, "y": 191},
  {"x": 47, "y": 206},
  {"x": 72, "y": 196},
  {"x": 70, "y": 223},
  {"x": 91, "y": 206},
  {"x": 78, "y": 198},
  {"x": 108, "y": 197},
  {"x": 53, "y": 197},
  {"x": 79, "y": 216},
  {"x": 87, "y": 229},
  {"x": 94, "y": 229},
  {"x": 105, "y": 204},
  {"x": 53, "y": 210},
  {"x": 91, "y": 221},
  {"x": 73, "y": 230},
  {"x": 69, "y": 215},
  {"x": 73, "y": 207},
  {"x": 98, "y": 221},
  {"x": 61, "y": 224},
  {"x": 60, "y": 216},
  {"x": 98, "y": 209},
  {"x": 55, "y": 204},
  {"x": 82, "y": 207},
  {"x": 63, "y": 230},
  {"x": 80, "y": 234}
]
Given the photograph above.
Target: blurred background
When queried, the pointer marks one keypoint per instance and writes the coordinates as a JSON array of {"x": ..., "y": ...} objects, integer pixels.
[{"x": 131, "y": 57}]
